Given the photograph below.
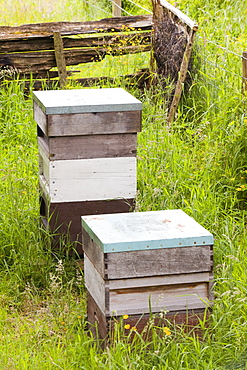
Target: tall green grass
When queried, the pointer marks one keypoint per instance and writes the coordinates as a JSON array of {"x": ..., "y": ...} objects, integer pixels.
[{"x": 199, "y": 166}]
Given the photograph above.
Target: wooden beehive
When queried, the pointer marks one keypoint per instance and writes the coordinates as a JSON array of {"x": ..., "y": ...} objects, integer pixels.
[
  {"x": 161, "y": 259},
  {"x": 87, "y": 154}
]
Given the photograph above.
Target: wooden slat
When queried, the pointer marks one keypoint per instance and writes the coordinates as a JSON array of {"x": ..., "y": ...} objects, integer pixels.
[
  {"x": 41, "y": 118},
  {"x": 46, "y": 43},
  {"x": 171, "y": 298},
  {"x": 88, "y": 123},
  {"x": 181, "y": 78},
  {"x": 198, "y": 277},
  {"x": 155, "y": 262},
  {"x": 60, "y": 59},
  {"x": 92, "y": 179},
  {"x": 132, "y": 300},
  {"x": 167, "y": 261},
  {"x": 244, "y": 71},
  {"x": 183, "y": 17},
  {"x": 65, "y": 218},
  {"x": 73, "y": 28},
  {"x": 95, "y": 285},
  {"x": 45, "y": 60},
  {"x": 116, "y": 8},
  {"x": 98, "y": 323},
  {"x": 89, "y": 146},
  {"x": 44, "y": 167},
  {"x": 94, "y": 254},
  {"x": 101, "y": 326}
]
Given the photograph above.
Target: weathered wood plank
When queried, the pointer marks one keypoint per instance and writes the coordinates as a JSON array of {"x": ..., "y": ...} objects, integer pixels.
[
  {"x": 197, "y": 277},
  {"x": 167, "y": 261},
  {"x": 44, "y": 167},
  {"x": 154, "y": 262},
  {"x": 92, "y": 179},
  {"x": 98, "y": 323},
  {"x": 46, "y": 43},
  {"x": 45, "y": 60},
  {"x": 181, "y": 78},
  {"x": 41, "y": 118},
  {"x": 171, "y": 298},
  {"x": 88, "y": 123},
  {"x": 89, "y": 146},
  {"x": 116, "y": 8},
  {"x": 183, "y": 17},
  {"x": 72, "y": 28},
  {"x": 94, "y": 123},
  {"x": 65, "y": 218},
  {"x": 135, "y": 299},
  {"x": 95, "y": 255},
  {"x": 101, "y": 326},
  {"x": 60, "y": 59},
  {"x": 95, "y": 285}
]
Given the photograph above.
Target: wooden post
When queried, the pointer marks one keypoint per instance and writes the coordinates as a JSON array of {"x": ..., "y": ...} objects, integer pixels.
[
  {"x": 244, "y": 71},
  {"x": 60, "y": 59},
  {"x": 116, "y": 8},
  {"x": 181, "y": 78}
]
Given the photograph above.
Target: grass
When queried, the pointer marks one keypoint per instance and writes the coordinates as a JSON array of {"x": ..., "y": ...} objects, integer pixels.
[{"x": 198, "y": 166}]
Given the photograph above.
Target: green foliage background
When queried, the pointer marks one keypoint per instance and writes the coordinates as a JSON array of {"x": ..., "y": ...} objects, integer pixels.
[{"x": 199, "y": 166}]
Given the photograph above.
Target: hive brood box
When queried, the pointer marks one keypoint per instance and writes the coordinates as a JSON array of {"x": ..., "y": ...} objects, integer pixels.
[
  {"x": 87, "y": 154},
  {"x": 135, "y": 261}
]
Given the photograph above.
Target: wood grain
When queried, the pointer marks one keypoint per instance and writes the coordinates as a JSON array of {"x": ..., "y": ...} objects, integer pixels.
[
  {"x": 166, "y": 261},
  {"x": 95, "y": 285},
  {"x": 91, "y": 179},
  {"x": 89, "y": 146},
  {"x": 46, "y": 42},
  {"x": 168, "y": 297},
  {"x": 41, "y": 118},
  {"x": 181, "y": 16},
  {"x": 65, "y": 218},
  {"x": 60, "y": 59},
  {"x": 100, "y": 123},
  {"x": 98, "y": 323},
  {"x": 29, "y": 62},
  {"x": 73, "y": 28},
  {"x": 94, "y": 123},
  {"x": 150, "y": 281},
  {"x": 101, "y": 326},
  {"x": 164, "y": 293},
  {"x": 94, "y": 254}
]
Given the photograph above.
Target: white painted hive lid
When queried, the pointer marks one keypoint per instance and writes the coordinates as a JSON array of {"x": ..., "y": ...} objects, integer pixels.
[
  {"x": 145, "y": 230},
  {"x": 86, "y": 101}
]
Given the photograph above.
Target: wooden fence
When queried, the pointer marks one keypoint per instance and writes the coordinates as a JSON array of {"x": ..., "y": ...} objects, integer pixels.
[
  {"x": 35, "y": 49},
  {"x": 30, "y": 49}
]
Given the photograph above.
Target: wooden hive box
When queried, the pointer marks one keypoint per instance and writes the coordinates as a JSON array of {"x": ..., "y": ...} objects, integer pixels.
[
  {"x": 161, "y": 259},
  {"x": 87, "y": 154}
]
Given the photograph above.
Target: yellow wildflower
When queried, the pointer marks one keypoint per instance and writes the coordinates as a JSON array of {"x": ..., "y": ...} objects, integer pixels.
[
  {"x": 167, "y": 331},
  {"x": 127, "y": 326},
  {"x": 125, "y": 317},
  {"x": 133, "y": 328}
]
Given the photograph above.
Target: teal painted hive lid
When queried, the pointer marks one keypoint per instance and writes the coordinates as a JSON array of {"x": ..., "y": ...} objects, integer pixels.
[
  {"x": 86, "y": 101},
  {"x": 121, "y": 232}
]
